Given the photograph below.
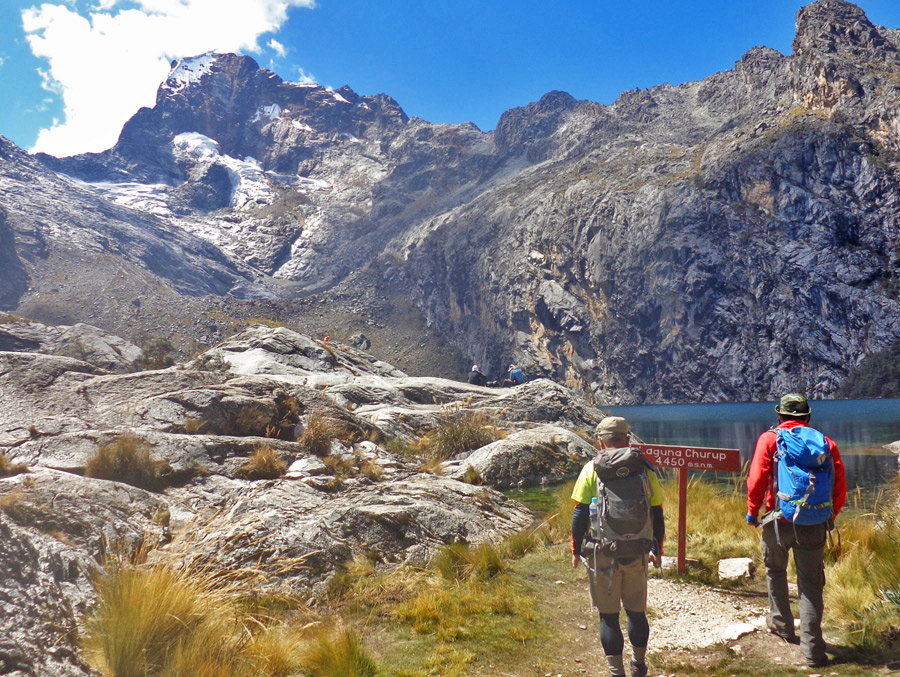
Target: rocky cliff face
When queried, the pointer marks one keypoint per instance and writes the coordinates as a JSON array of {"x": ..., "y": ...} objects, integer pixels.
[{"x": 724, "y": 239}]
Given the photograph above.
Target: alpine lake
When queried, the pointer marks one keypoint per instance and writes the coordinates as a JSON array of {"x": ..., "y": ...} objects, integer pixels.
[{"x": 860, "y": 428}]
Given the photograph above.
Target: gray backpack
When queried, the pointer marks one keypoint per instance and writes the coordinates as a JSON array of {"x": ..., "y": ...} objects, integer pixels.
[{"x": 623, "y": 526}]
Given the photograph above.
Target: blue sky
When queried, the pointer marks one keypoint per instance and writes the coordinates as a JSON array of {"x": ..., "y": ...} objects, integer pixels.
[{"x": 443, "y": 61}]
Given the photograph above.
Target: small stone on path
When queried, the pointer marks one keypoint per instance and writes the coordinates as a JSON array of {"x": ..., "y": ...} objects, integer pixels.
[{"x": 734, "y": 568}]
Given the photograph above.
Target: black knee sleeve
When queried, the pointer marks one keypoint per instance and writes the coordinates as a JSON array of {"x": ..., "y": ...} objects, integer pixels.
[
  {"x": 638, "y": 628},
  {"x": 611, "y": 635}
]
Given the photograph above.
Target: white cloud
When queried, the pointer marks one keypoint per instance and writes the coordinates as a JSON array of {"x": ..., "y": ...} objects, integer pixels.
[
  {"x": 109, "y": 63},
  {"x": 305, "y": 78},
  {"x": 2, "y": 60},
  {"x": 273, "y": 44}
]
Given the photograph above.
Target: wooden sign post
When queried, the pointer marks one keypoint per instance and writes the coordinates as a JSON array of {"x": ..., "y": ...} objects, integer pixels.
[{"x": 684, "y": 459}]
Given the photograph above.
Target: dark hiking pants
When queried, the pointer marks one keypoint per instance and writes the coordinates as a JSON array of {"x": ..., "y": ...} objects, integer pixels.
[{"x": 808, "y": 544}]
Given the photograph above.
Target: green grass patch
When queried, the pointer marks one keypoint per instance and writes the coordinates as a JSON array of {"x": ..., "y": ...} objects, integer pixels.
[
  {"x": 467, "y": 609},
  {"x": 540, "y": 500},
  {"x": 716, "y": 527}
]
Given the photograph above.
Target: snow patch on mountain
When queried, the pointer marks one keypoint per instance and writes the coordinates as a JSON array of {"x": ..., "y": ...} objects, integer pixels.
[
  {"x": 251, "y": 185},
  {"x": 188, "y": 71},
  {"x": 313, "y": 184},
  {"x": 302, "y": 126},
  {"x": 196, "y": 145},
  {"x": 248, "y": 180},
  {"x": 148, "y": 198},
  {"x": 270, "y": 112}
]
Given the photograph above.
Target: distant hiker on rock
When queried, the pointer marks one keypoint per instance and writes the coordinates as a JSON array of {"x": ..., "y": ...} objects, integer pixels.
[
  {"x": 617, "y": 527},
  {"x": 798, "y": 472},
  {"x": 515, "y": 377},
  {"x": 476, "y": 378}
]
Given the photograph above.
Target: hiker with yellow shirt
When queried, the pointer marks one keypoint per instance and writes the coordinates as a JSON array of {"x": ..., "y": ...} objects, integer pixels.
[{"x": 617, "y": 528}]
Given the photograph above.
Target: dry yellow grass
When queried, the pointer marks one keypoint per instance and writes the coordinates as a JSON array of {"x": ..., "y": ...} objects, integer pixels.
[
  {"x": 337, "y": 654},
  {"x": 127, "y": 459},
  {"x": 319, "y": 433},
  {"x": 264, "y": 464},
  {"x": 863, "y": 591},
  {"x": 8, "y": 469},
  {"x": 177, "y": 612}
]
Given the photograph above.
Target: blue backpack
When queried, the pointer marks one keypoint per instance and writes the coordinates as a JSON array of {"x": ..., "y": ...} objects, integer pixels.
[{"x": 805, "y": 475}]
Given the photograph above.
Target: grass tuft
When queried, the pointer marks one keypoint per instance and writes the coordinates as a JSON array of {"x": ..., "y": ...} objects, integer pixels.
[
  {"x": 127, "y": 459},
  {"x": 8, "y": 469},
  {"x": 178, "y": 611},
  {"x": 459, "y": 562},
  {"x": 193, "y": 425},
  {"x": 338, "y": 655},
  {"x": 473, "y": 476},
  {"x": 264, "y": 464},
  {"x": 458, "y": 432},
  {"x": 372, "y": 469},
  {"x": 319, "y": 433},
  {"x": 157, "y": 353},
  {"x": 162, "y": 620},
  {"x": 560, "y": 520}
]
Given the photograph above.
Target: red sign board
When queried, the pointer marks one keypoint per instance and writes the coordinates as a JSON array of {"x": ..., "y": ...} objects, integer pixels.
[
  {"x": 689, "y": 458},
  {"x": 694, "y": 458}
]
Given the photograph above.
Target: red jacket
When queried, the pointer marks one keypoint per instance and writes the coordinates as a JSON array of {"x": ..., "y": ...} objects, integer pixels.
[{"x": 760, "y": 482}]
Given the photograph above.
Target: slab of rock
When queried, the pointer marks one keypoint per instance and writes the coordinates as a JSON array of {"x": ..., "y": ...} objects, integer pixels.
[
  {"x": 220, "y": 454},
  {"x": 80, "y": 341},
  {"x": 286, "y": 355},
  {"x": 360, "y": 341},
  {"x": 405, "y": 520},
  {"x": 543, "y": 455},
  {"x": 406, "y": 407}
]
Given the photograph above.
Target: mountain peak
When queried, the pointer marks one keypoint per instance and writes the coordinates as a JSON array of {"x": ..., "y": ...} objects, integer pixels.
[
  {"x": 189, "y": 70},
  {"x": 837, "y": 27}
]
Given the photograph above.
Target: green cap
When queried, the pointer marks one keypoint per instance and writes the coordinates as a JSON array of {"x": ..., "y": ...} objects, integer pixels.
[
  {"x": 794, "y": 404},
  {"x": 613, "y": 425}
]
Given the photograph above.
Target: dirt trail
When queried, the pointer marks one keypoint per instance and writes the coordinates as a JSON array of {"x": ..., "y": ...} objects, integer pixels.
[{"x": 694, "y": 629}]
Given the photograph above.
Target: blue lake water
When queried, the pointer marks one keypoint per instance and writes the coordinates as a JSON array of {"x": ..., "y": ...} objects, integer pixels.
[{"x": 859, "y": 427}]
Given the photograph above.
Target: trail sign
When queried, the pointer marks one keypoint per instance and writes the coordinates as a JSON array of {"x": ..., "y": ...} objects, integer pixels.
[
  {"x": 684, "y": 459},
  {"x": 695, "y": 458}
]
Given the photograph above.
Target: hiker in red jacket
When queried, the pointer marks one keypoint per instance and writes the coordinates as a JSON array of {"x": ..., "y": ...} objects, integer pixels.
[{"x": 806, "y": 531}]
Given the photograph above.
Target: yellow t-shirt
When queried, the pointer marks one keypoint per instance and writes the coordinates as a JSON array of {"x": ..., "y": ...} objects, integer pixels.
[{"x": 586, "y": 485}]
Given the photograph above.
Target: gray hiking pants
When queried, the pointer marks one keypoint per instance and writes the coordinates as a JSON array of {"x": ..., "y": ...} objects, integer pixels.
[{"x": 808, "y": 544}]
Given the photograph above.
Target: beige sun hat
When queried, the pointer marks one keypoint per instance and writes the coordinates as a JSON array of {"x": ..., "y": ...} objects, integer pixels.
[{"x": 613, "y": 425}]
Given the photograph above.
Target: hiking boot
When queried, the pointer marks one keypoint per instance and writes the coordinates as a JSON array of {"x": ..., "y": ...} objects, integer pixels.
[
  {"x": 787, "y": 635},
  {"x": 818, "y": 662},
  {"x": 638, "y": 669}
]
